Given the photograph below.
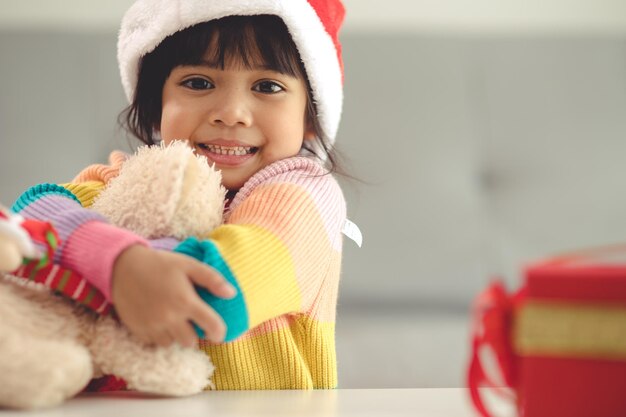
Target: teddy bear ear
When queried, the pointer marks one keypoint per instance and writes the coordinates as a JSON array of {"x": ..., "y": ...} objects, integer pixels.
[{"x": 144, "y": 196}]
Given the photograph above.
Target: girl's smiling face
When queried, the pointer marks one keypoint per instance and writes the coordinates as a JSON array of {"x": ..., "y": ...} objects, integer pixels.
[{"x": 241, "y": 117}]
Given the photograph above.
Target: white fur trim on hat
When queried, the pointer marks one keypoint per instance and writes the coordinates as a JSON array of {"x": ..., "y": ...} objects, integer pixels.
[{"x": 148, "y": 22}]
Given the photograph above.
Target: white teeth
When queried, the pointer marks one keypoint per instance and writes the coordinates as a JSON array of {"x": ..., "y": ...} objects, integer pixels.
[{"x": 228, "y": 150}]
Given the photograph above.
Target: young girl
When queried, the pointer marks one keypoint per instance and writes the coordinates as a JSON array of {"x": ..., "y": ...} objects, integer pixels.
[{"x": 256, "y": 87}]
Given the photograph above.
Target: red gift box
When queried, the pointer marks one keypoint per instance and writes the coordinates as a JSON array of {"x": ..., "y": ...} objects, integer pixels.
[{"x": 560, "y": 341}]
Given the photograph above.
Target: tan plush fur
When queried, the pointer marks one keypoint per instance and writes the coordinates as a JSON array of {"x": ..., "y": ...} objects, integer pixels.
[
  {"x": 164, "y": 191},
  {"x": 51, "y": 348}
]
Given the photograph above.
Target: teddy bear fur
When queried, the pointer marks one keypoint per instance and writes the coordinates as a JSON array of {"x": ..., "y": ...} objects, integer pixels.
[{"x": 50, "y": 348}]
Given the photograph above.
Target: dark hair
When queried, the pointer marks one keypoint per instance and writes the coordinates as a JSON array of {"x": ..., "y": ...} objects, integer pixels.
[{"x": 243, "y": 39}]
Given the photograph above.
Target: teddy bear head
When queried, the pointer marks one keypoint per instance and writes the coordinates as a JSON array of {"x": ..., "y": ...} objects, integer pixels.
[{"x": 164, "y": 191}]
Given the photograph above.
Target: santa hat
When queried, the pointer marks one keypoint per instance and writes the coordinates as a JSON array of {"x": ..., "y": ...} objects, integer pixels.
[{"x": 313, "y": 25}]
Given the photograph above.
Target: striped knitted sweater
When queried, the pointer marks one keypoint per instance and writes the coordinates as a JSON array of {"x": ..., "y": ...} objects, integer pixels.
[{"x": 280, "y": 246}]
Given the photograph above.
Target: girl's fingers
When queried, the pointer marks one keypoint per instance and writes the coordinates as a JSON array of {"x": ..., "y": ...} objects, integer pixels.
[
  {"x": 185, "y": 335},
  {"x": 207, "y": 277},
  {"x": 142, "y": 337},
  {"x": 209, "y": 321},
  {"x": 163, "y": 339}
]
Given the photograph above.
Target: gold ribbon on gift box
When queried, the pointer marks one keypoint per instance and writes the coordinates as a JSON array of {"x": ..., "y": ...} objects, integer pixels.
[{"x": 570, "y": 329}]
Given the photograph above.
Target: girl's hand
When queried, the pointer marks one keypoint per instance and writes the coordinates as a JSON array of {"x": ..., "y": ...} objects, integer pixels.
[{"x": 154, "y": 296}]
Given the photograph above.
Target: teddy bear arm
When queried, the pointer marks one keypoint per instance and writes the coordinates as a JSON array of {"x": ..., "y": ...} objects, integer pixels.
[{"x": 173, "y": 371}]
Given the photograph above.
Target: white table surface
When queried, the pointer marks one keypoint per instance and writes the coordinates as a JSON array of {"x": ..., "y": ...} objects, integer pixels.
[{"x": 425, "y": 402}]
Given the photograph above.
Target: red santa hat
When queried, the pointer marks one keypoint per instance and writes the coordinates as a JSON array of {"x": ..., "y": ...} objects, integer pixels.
[{"x": 313, "y": 25}]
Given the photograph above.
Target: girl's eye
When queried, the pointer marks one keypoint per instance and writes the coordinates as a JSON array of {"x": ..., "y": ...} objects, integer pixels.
[
  {"x": 268, "y": 87},
  {"x": 198, "y": 84}
]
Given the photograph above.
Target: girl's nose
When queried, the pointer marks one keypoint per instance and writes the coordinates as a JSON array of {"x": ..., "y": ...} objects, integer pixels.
[{"x": 231, "y": 109}]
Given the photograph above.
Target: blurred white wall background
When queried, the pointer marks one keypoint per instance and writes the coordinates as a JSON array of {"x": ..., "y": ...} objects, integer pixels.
[
  {"x": 478, "y": 16},
  {"x": 488, "y": 132}
]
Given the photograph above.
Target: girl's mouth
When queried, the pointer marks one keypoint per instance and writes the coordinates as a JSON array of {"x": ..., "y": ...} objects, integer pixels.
[
  {"x": 227, "y": 155},
  {"x": 228, "y": 150}
]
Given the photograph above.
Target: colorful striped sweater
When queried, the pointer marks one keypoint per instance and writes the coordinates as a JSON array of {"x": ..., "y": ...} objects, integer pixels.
[{"x": 280, "y": 246}]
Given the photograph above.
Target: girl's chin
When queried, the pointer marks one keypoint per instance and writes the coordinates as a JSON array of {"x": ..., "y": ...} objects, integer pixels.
[{"x": 234, "y": 181}]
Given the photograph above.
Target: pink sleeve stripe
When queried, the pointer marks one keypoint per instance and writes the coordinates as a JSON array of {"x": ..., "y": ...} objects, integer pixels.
[{"x": 92, "y": 250}]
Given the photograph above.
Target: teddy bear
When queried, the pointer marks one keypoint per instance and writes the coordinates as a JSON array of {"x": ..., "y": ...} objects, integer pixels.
[{"x": 50, "y": 346}]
